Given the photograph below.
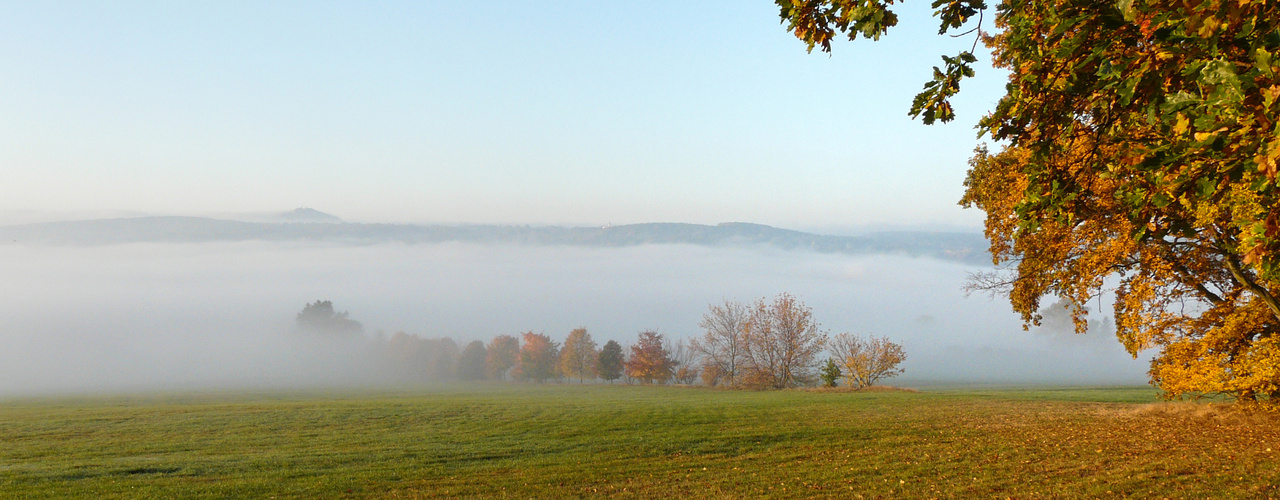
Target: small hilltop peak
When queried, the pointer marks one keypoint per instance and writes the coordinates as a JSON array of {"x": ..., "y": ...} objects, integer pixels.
[{"x": 307, "y": 215}]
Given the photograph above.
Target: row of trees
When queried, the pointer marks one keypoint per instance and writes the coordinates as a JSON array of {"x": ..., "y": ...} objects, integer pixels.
[
  {"x": 536, "y": 357},
  {"x": 776, "y": 344},
  {"x": 532, "y": 356},
  {"x": 769, "y": 344}
]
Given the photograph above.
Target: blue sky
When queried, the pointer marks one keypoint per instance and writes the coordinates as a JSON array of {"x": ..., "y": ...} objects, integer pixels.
[{"x": 476, "y": 112}]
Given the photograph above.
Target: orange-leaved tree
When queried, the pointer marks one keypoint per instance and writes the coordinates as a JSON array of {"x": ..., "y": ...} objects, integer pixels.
[
  {"x": 537, "y": 360},
  {"x": 649, "y": 361}
]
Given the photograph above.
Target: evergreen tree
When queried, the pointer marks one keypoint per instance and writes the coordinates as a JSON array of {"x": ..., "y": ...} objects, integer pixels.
[
  {"x": 830, "y": 373},
  {"x": 611, "y": 361}
]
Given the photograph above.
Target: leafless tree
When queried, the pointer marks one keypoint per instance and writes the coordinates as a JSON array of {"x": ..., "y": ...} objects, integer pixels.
[
  {"x": 686, "y": 362},
  {"x": 781, "y": 343},
  {"x": 721, "y": 341}
]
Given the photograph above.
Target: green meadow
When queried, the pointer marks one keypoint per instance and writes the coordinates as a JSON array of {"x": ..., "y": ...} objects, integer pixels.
[{"x": 567, "y": 440}]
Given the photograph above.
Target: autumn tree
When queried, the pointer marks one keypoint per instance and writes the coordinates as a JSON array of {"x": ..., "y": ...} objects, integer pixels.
[
  {"x": 610, "y": 362},
  {"x": 578, "y": 358},
  {"x": 538, "y": 355},
  {"x": 501, "y": 356},
  {"x": 1208, "y": 314},
  {"x": 649, "y": 361},
  {"x": 1141, "y": 149},
  {"x": 867, "y": 360},
  {"x": 712, "y": 375},
  {"x": 721, "y": 340},
  {"x": 471, "y": 363},
  {"x": 781, "y": 342},
  {"x": 320, "y": 318}
]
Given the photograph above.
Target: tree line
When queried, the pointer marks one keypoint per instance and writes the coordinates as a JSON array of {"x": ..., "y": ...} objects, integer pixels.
[{"x": 772, "y": 344}]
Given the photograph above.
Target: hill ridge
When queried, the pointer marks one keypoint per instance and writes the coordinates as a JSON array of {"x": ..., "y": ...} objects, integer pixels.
[{"x": 955, "y": 246}]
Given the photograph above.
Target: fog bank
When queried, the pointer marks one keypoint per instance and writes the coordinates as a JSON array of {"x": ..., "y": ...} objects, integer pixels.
[{"x": 177, "y": 316}]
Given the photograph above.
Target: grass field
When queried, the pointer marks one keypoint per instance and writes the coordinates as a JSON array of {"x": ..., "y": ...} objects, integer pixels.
[{"x": 558, "y": 441}]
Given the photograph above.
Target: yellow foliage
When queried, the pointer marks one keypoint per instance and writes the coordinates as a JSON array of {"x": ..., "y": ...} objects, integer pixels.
[{"x": 1211, "y": 318}]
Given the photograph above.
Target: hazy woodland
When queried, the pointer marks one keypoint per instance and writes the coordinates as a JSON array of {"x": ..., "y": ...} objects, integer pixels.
[{"x": 177, "y": 316}]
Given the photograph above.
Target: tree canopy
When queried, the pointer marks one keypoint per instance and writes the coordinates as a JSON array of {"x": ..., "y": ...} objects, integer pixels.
[
  {"x": 471, "y": 363},
  {"x": 579, "y": 356},
  {"x": 781, "y": 342},
  {"x": 319, "y": 317},
  {"x": 538, "y": 355},
  {"x": 867, "y": 360},
  {"x": 829, "y": 373},
  {"x": 501, "y": 355},
  {"x": 611, "y": 361},
  {"x": 650, "y": 361},
  {"x": 1142, "y": 146}
]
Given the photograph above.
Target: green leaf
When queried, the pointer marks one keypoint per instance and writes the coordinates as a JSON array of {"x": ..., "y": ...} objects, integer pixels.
[
  {"x": 1178, "y": 101},
  {"x": 1107, "y": 71},
  {"x": 1221, "y": 75},
  {"x": 1262, "y": 60},
  {"x": 934, "y": 103},
  {"x": 954, "y": 13},
  {"x": 1127, "y": 89}
]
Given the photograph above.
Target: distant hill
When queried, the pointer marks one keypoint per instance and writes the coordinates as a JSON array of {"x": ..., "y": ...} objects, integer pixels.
[
  {"x": 306, "y": 215},
  {"x": 320, "y": 227}
]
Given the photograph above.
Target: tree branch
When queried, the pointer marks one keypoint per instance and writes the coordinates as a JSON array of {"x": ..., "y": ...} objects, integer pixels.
[
  {"x": 1188, "y": 276},
  {"x": 1252, "y": 285}
]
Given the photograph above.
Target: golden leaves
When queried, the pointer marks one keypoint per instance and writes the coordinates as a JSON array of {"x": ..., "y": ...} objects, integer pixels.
[
  {"x": 1146, "y": 148},
  {"x": 1205, "y": 347},
  {"x": 1181, "y": 125}
]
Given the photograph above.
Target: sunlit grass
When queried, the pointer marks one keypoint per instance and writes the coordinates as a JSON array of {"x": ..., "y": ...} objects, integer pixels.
[{"x": 571, "y": 440}]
